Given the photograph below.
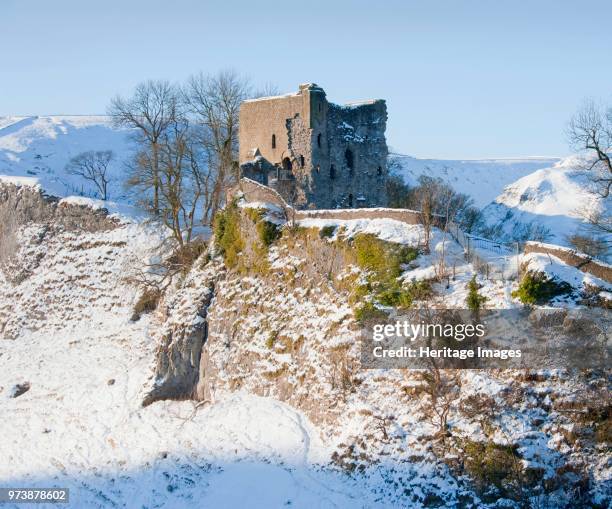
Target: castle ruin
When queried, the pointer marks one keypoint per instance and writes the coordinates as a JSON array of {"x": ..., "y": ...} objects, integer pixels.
[{"x": 316, "y": 154}]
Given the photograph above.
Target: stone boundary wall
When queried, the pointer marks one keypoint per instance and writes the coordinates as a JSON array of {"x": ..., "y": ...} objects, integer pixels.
[
  {"x": 574, "y": 258},
  {"x": 404, "y": 215},
  {"x": 253, "y": 191}
]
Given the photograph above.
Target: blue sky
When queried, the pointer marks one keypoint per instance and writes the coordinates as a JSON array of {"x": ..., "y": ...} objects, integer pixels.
[{"x": 462, "y": 79}]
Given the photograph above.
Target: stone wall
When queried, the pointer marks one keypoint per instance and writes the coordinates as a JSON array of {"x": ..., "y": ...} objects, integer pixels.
[
  {"x": 404, "y": 215},
  {"x": 574, "y": 258},
  {"x": 255, "y": 192},
  {"x": 354, "y": 133}
]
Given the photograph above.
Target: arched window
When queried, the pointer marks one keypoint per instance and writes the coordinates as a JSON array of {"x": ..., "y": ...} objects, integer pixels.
[
  {"x": 332, "y": 172},
  {"x": 348, "y": 155},
  {"x": 350, "y": 200},
  {"x": 274, "y": 141},
  {"x": 319, "y": 140},
  {"x": 318, "y": 169},
  {"x": 302, "y": 162},
  {"x": 287, "y": 164}
]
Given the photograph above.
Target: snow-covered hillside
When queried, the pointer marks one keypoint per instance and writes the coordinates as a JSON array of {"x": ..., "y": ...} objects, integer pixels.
[
  {"x": 547, "y": 193},
  {"x": 40, "y": 147},
  {"x": 287, "y": 419},
  {"x": 555, "y": 198},
  {"x": 482, "y": 179}
]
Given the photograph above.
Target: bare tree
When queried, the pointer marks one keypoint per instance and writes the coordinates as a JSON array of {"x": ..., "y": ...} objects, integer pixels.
[
  {"x": 182, "y": 179},
  {"x": 590, "y": 131},
  {"x": 215, "y": 101},
  {"x": 442, "y": 389},
  {"x": 93, "y": 166},
  {"x": 590, "y": 244},
  {"x": 150, "y": 110}
]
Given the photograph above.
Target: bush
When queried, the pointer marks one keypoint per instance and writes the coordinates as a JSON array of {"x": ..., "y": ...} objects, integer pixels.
[
  {"x": 327, "y": 231},
  {"x": 255, "y": 214},
  {"x": 182, "y": 259},
  {"x": 491, "y": 464},
  {"x": 369, "y": 312},
  {"x": 227, "y": 234},
  {"x": 474, "y": 300},
  {"x": 403, "y": 296},
  {"x": 537, "y": 288},
  {"x": 382, "y": 259},
  {"x": 268, "y": 232},
  {"x": 383, "y": 262},
  {"x": 146, "y": 303},
  {"x": 591, "y": 245}
]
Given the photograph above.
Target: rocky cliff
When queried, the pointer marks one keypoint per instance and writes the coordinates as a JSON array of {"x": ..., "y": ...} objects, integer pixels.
[{"x": 273, "y": 314}]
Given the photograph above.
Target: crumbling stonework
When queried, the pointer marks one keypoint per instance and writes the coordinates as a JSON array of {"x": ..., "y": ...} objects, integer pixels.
[{"x": 316, "y": 154}]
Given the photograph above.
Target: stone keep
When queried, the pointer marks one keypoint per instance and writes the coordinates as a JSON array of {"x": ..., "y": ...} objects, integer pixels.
[{"x": 316, "y": 154}]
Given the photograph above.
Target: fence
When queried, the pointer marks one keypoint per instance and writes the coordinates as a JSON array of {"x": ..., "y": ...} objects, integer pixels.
[{"x": 495, "y": 260}]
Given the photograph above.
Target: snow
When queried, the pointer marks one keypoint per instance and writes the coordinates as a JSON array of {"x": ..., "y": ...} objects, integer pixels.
[
  {"x": 20, "y": 181},
  {"x": 121, "y": 211},
  {"x": 556, "y": 198},
  {"x": 481, "y": 179},
  {"x": 555, "y": 267},
  {"x": 390, "y": 230},
  {"x": 41, "y": 146}
]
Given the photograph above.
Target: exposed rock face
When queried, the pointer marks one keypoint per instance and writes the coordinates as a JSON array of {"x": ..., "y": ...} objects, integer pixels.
[
  {"x": 285, "y": 329},
  {"x": 26, "y": 204},
  {"x": 183, "y": 331}
]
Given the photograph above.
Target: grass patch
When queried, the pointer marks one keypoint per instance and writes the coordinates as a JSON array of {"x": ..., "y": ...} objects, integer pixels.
[
  {"x": 382, "y": 261},
  {"x": 492, "y": 464},
  {"x": 369, "y": 312},
  {"x": 272, "y": 337}
]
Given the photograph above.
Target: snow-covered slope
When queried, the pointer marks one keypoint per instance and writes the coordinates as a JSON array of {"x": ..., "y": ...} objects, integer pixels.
[
  {"x": 555, "y": 198},
  {"x": 40, "y": 147},
  {"x": 482, "y": 179},
  {"x": 547, "y": 192}
]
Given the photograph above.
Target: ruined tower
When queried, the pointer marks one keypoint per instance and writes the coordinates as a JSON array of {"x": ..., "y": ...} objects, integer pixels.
[{"x": 316, "y": 154}]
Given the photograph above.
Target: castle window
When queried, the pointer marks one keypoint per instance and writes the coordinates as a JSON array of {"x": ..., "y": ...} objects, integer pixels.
[
  {"x": 287, "y": 164},
  {"x": 332, "y": 172},
  {"x": 379, "y": 171},
  {"x": 302, "y": 162},
  {"x": 350, "y": 200},
  {"x": 348, "y": 155},
  {"x": 274, "y": 141},
  {"x": 319, "y": 140},
  {"x": 318, "y": 169}
]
